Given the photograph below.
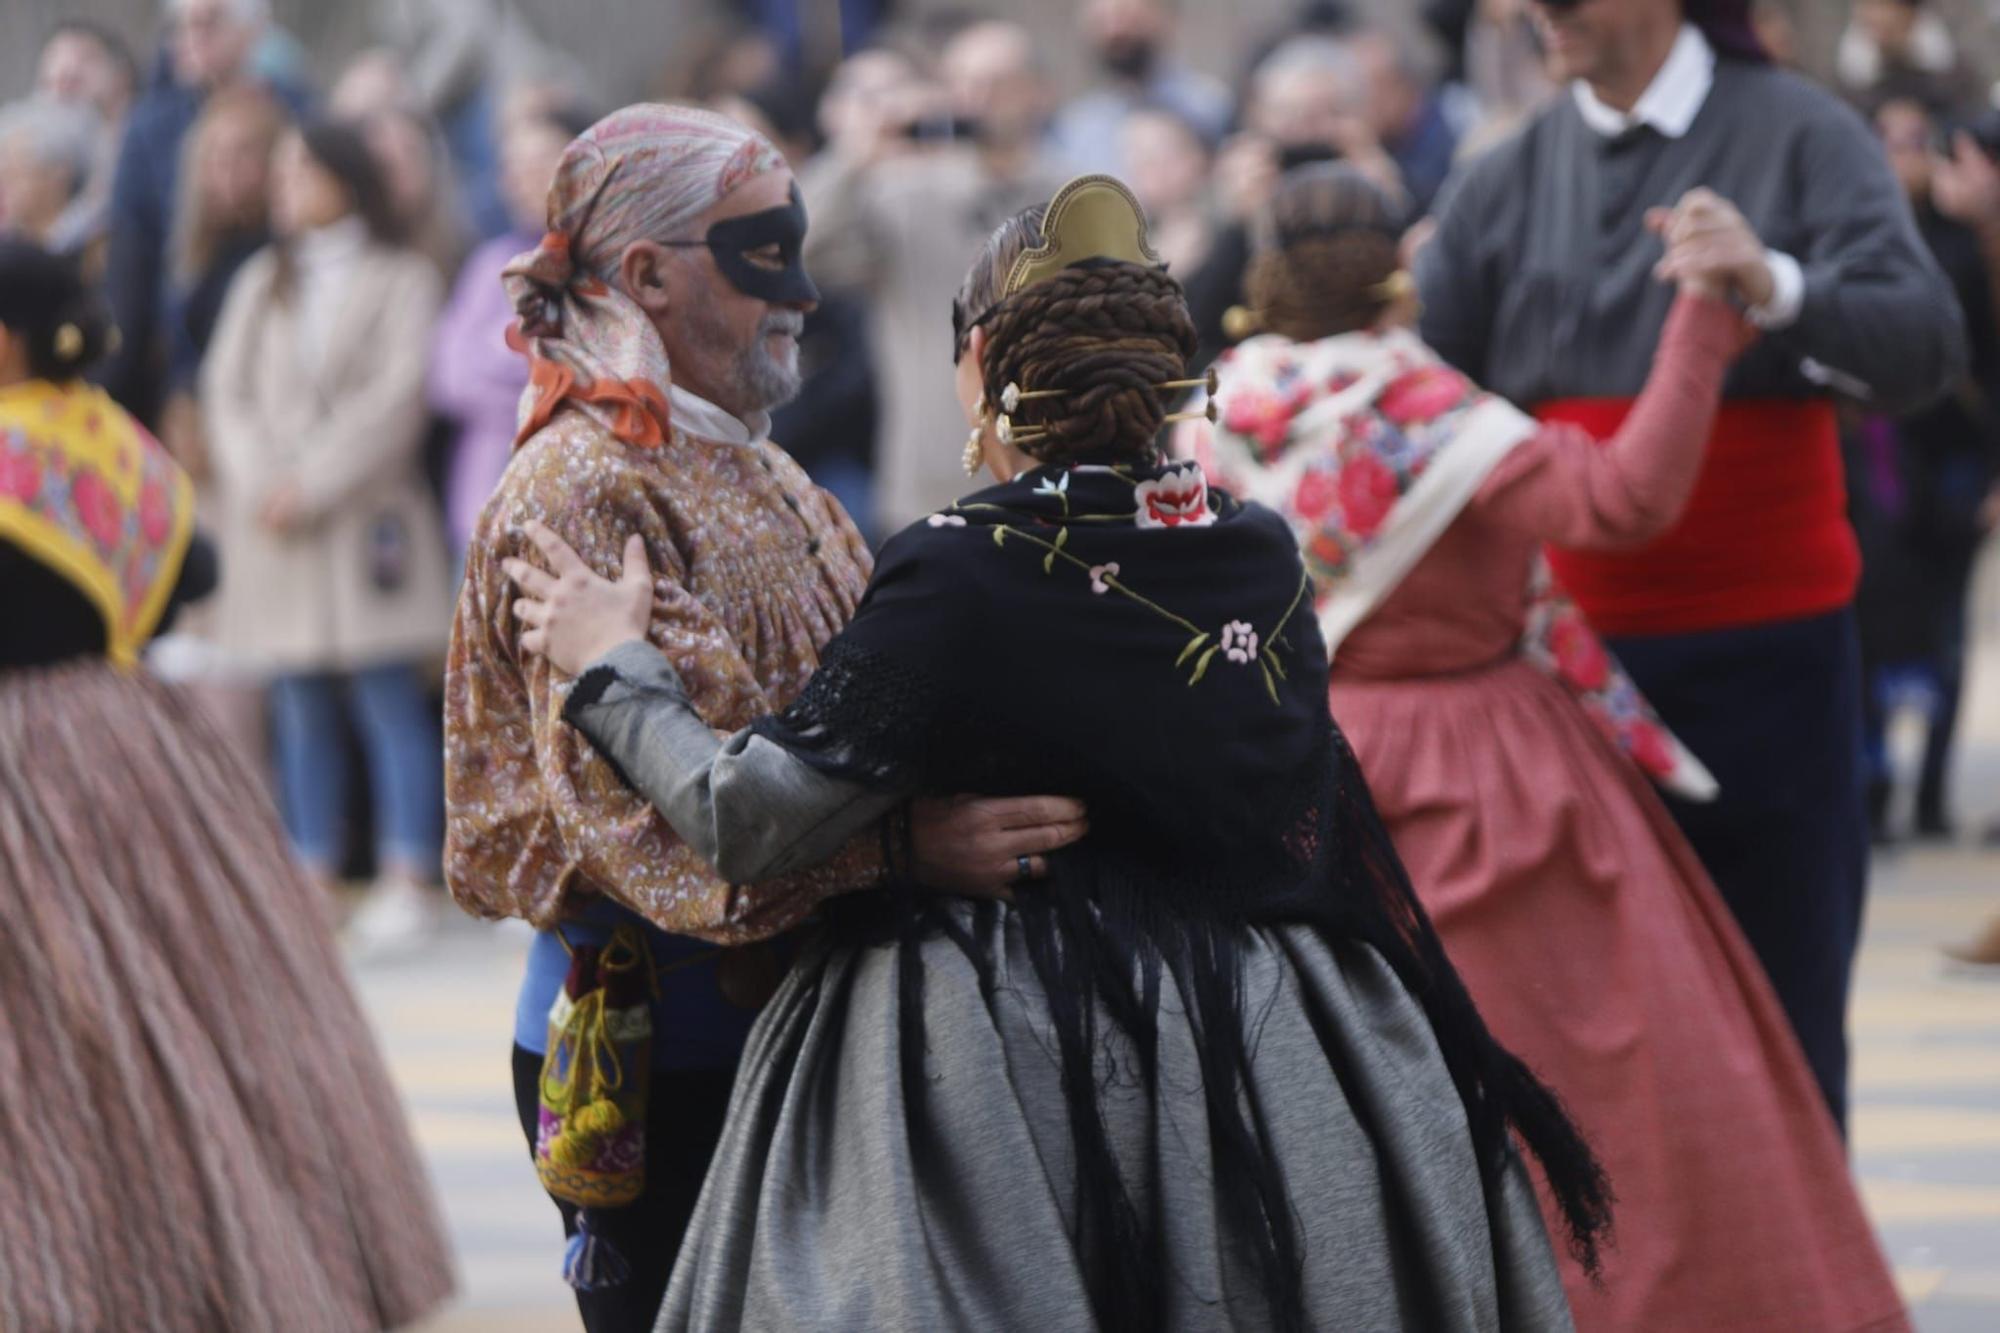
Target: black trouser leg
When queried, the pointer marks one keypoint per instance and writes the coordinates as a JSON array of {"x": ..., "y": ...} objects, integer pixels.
[
  {"x": 1775, "y": 713},
  {"x": 684, "y": 1116}
]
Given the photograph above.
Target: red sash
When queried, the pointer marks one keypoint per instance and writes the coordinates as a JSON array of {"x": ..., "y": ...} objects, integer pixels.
[{"x": 1765, "y": 536}]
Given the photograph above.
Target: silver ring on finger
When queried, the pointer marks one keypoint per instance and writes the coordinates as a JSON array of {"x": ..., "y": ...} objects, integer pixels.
[{"x": 1026, "y": 865}]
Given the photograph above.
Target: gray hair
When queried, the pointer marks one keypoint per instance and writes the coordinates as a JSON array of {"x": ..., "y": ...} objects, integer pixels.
[
  {"x": 1327, "y": 57},
  {"x": 59, "y": 134}
]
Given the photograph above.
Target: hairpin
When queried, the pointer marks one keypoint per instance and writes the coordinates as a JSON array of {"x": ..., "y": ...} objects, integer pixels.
[
  {"x": 69, "y": 342},
  {"x": 1210, "y": 382},
  {"x": 1240, "y": 321},
  {"x": 1398, "y": 286},
  {"x": 1206, "y": 412},
  {"x": 1010, "y": 435}
]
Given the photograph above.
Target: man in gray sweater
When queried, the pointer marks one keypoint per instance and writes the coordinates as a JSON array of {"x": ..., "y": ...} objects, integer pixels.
[{"x": 1737, "y": 624}]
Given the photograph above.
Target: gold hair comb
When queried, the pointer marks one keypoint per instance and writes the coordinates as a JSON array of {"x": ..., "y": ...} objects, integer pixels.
[{"x": 1092, "y": 217}]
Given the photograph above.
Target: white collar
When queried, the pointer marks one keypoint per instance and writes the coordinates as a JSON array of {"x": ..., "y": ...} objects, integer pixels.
[
  {"x": 1671, "y": 101},
  {"x": 699, "y": 417}
]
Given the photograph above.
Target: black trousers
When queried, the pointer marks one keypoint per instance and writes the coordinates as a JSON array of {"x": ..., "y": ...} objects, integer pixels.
[
  {"x": 684, "y": 1116},
  {"x": 1775, "y": 712}
]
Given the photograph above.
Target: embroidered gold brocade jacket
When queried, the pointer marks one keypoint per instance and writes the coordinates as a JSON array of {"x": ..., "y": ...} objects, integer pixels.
[{"x": 755, "y": 570}]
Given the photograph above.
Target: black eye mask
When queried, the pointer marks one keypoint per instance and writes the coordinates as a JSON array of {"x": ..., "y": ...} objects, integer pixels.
[{"x": 732, "y": 241}]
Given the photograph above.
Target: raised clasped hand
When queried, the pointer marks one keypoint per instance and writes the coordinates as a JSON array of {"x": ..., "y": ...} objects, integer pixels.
[{"x": 1712, "y": 250}]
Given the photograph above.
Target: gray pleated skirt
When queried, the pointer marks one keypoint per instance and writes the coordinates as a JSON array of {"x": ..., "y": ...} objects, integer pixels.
[{"x": 817, "y": 1214}]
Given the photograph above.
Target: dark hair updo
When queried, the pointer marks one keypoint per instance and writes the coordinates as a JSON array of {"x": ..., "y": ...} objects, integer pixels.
[
  {"x": 1322, "y": 251},
  {"x": 1102, "y": 335},
  {"x": 45, "y": 302}
]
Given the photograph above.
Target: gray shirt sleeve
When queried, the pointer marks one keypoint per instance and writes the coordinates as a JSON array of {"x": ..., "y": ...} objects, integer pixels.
[
  {"x": 1451, "y": 275},
  {"x": 746, "y": 805},
  {"x": 1876, "y": 307}
]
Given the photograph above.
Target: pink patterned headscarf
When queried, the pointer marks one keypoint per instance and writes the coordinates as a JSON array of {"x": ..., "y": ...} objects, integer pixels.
[{"x": 643, "y": 173}]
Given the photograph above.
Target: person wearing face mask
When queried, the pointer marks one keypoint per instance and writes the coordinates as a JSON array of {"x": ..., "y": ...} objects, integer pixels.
[
  {"x": 660, "y": 315},
  {"x": 1131, "y": 40},
  {"x": 1212, "y": 1070},
  {"x": 1738, "y": 622}
]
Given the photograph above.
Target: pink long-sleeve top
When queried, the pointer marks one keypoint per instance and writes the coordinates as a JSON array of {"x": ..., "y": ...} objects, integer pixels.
[{"x": 1464, "y": 605}]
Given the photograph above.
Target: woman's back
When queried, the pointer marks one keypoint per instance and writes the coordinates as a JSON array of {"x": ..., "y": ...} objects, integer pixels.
[{"x": 1161, "y": 674}]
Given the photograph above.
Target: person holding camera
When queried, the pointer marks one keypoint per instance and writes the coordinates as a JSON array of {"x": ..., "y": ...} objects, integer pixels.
[
  {"x": 1738, "y": 624},
  {"x": 916, "y": 178}
]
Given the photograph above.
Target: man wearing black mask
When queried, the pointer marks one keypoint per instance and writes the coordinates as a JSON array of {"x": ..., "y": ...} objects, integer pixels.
[{"x": 1131, "y": 40}]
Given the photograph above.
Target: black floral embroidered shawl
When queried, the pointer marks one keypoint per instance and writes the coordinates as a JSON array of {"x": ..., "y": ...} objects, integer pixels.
[{"x": 1133, "y": 639}]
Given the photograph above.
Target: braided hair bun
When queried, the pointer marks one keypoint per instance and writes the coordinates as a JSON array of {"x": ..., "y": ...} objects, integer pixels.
[
  {"x": 45, "y": 303},
  {"x": 1100, "y": 336},
  {"x": 1322, "y": 251}
]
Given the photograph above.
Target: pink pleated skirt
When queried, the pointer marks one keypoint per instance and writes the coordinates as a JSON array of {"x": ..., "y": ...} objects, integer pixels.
[
  {"x": 197, "y": 1130},
  {"x": 1600, "y": 952}
]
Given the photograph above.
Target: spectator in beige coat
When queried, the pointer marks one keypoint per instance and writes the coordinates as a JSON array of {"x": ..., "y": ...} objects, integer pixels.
[{"x": 334, "y": 554}]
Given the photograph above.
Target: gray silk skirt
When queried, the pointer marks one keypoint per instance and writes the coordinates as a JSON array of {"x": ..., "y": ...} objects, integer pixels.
[{"x": 817, "y": 1214}]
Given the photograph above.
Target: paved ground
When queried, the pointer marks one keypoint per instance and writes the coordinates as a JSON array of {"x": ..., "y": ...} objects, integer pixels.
[{"x": 1927, "y": 1082}]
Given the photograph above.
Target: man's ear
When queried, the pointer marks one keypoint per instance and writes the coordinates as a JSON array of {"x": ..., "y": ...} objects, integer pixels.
[{"x": 645, "y": 272}]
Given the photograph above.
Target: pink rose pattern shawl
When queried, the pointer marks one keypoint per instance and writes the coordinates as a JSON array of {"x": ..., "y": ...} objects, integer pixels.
[{"x": 1371, "y": 446}]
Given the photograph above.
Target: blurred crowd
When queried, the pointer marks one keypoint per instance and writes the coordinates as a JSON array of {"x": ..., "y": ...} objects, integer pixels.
[{"x": 306, "y": 279}]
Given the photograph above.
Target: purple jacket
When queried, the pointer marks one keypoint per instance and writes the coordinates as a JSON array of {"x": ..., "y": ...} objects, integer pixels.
[{"x": 476, "y": 380}]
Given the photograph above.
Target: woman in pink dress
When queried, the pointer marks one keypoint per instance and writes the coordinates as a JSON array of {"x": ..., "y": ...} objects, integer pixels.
[{"x": 1510, "y": 758}]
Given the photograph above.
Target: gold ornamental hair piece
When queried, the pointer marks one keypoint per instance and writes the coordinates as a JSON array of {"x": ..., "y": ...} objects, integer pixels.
[
  {"x": 1398, "y": 286},
  {"x": 69, "y": 342},
  {"x": 1092, "y": 217}
]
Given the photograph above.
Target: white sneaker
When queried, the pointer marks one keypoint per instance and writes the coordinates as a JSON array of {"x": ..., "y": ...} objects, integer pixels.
[{"x": 397, "y": 917}]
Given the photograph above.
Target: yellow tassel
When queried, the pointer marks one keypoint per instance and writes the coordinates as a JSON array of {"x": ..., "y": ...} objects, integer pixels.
[
  {"x": 600, "y": 1119},
  {"x": 573, "y": 1150}
]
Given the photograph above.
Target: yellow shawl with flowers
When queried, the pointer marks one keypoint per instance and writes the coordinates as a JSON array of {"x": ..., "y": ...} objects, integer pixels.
[{"x": 85, "y": 490}]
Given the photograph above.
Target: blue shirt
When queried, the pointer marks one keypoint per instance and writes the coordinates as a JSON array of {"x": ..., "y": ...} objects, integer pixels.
[{"x": 694, "y": 1027}]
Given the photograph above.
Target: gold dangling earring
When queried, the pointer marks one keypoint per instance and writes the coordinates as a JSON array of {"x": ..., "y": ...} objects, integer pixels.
[{"x": 975, "y": 450}]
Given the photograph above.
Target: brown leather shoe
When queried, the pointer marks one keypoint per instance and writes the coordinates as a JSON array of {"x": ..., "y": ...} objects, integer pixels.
[{"x": 1984, "y": 951}]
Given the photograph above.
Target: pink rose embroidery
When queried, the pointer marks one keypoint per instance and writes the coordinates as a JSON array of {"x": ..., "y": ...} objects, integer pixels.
[
  {"x": 1239, "y": 642},
  {"x": 1325, "y": 548},
  {"x": 1259, "y": 416},
  {"x": 1316, "y": 494},
  {"x": 20, "y": 476},
  {"x": 1651, "y": 749},
  {"x": 103, "y": 517},
  {"x": 1175, "y": 499},
  {"x": 1580, "y": 657},
  {"x": 1367, "y": 494},
  {"x": 155, "y": 518},
  {"x": 1422, "y": 395},
  {"x": 1098, "y": 574}
]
